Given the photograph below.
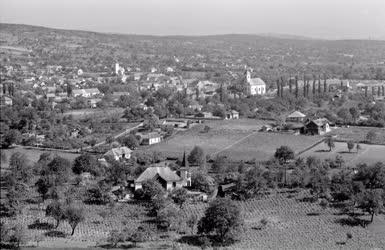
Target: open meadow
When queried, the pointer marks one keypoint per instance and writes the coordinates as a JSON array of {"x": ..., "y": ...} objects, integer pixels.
[
  {"x": 291, "y": 224},
  {"x": 367, "y": 154},
  {"x": 238, "y": 139}
]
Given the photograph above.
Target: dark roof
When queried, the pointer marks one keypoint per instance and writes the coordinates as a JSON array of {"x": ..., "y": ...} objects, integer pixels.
[
  {"x": 164, "y": 172},
  {"x": 319, "y": 122}
]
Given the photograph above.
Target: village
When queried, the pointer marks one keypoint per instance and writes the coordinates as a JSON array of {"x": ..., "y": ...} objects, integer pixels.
[{"x": 136, "y": 147}]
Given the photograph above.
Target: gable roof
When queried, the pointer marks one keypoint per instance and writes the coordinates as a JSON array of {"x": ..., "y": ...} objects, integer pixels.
[
  {"x": 119, "y": 151},
  {"x": 164, "y": 172},
  {"x": 151, "y": 135},
  {"x": 257, "y": 82},
  {"x": 319, "y": 122},
  {"x": 296, "y": 114}
]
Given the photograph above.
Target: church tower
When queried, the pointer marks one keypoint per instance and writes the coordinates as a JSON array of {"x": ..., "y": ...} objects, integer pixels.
[
  {"x": 184, "y": 171},
  {"x": 248, "y": 76}
]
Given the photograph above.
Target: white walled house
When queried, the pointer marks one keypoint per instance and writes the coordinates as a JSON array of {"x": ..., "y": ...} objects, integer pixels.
[{"x": 120, "y": 153}]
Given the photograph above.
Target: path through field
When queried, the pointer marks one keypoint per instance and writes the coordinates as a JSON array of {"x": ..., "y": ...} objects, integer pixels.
[
  {"x": 127, "y": 131},
  {"x": 233, "y": 144}
]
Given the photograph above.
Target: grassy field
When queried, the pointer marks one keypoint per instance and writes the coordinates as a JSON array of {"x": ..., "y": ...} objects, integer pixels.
[
  {"x": 358, "y": 134},
  {"x": 33, "y": 155},
  {"x": 262, "y": 146},
  {"x": 368, "y": 153},
  {"x": 292, "y": 224},
  {"x": 238, "y": 139}
]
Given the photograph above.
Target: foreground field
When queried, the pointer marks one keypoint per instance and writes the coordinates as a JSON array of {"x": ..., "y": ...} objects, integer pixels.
[
  {"x": 238, "y": 139},
  {"x": 291, "y": 224},
  {"x": 368, "y": 154}
]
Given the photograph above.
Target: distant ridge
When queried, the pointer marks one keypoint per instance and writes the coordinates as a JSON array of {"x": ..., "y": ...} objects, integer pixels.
[{"x": 233, "y": 35}]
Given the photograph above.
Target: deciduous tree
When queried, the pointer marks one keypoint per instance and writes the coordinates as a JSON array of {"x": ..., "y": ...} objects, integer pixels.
[{"x": 223, "y": 219}]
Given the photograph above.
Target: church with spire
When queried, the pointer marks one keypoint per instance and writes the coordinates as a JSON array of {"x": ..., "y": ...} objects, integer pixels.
[{"x": 255, "y": 86}]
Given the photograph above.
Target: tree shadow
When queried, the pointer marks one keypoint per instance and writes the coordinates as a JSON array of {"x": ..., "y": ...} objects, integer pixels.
[
  {"x": 195, "y": 240},
  {"x": 192, "y": 240},
  {"x": 345, "y": 152},
  {"x": 322, "y": 150},
  {"x": 41, "y": 225},
  {"x": 352, "y": 222},
  {"x": 55, "y": 233},
  {"x": 119, "y": 246},
  {"x": 313, "y": 214}
]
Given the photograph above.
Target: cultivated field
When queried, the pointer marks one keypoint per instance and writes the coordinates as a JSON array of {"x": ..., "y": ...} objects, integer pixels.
[
  {"x": 238, "y": 139},
  {"x": 368, "y": 154},
  {"x": 291, "y": 224}
]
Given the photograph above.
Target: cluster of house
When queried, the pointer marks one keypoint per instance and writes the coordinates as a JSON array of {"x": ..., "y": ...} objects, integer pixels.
[
  {"x": 299, "y": 123},
  {"x": 159, "y": 172}
]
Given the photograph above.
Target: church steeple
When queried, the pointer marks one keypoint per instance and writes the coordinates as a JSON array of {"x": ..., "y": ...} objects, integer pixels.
[
  {"x": 184, "y": 161},
  {"x": 184, "y": 171},
  {"x": 248, "y": 76}
]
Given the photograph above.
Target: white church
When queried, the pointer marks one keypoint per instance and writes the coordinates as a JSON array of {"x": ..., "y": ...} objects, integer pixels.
[{"x": 256, "y": 86}]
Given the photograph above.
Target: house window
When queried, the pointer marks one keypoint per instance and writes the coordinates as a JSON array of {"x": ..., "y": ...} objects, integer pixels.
[{"x": 174, "y": 184}]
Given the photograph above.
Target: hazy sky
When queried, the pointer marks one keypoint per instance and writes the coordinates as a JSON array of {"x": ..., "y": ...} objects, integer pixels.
[{"x": 331, "y": 19}]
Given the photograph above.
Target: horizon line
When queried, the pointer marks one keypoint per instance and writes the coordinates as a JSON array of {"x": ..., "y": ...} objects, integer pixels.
[{"x": 263, "y": 34}]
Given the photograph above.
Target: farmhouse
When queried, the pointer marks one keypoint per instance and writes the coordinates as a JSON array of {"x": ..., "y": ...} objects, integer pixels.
[
  {"x": 256, "y": 86},
  {"x": 204, "y": 115},
  {"x": 232, "y": 115},
  {"x": 317, "y": 127},
  {"x": 150, "y": 138},
  {"x": 119, "y": 153},
  {"x": 296, "y": 116},
  {"x": 177, "y": 123},
  {"x": 164, "y": 175}
]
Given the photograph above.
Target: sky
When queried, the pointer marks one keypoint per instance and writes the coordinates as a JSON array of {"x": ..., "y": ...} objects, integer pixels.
[{"x": 327, "y": 19}]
